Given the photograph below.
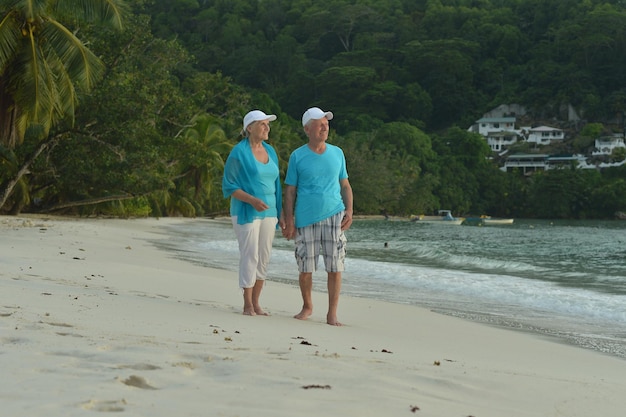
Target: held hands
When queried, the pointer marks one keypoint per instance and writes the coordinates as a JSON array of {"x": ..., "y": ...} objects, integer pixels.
[
  {"x": 287, "y": 228},
  {"x": 289, "y": 231}
]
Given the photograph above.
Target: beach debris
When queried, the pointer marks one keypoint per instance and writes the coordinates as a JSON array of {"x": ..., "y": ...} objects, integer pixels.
[
  {"x": 228, "y": 339},
  {"x": 382, "y": 350},
  {"x": 327, "y": 355},
  {"x": 437, "y": 363},
  {"x": 303, "y": 341},
  {"x": 188, "y": 365},
  {"x": 414, "y": 408},
  {"x": 316, "y": 387},
  {"x": 215, "y": 331}
]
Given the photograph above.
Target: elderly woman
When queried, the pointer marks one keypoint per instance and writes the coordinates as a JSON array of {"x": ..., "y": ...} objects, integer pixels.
[{"x": 251, "y": 179}]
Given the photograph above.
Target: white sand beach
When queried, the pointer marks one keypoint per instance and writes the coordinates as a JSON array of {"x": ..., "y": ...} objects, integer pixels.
[{"x": 94, "y": 318}]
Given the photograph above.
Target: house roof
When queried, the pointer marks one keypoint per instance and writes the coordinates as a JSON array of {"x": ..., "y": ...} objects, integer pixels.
[
  {"x": 496, "y": 120},
  {"x": 544, "y": 129},
  {"x": 527, "y": 155}
]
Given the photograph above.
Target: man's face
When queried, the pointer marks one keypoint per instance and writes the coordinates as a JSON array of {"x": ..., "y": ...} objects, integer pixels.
[{"x": 317, "y": 130}]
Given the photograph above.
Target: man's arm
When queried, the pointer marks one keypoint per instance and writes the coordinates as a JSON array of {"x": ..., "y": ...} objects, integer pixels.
[
  {"x": 346, "y": 196},
  {"x": 289, "y": 198}
]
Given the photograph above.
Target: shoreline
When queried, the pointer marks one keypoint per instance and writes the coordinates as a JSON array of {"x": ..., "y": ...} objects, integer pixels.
[{"x": 95, "y": 317}]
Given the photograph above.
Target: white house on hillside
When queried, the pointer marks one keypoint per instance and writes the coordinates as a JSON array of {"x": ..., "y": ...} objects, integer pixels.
[
  {"x": 487, "y": 125},
  {"x": 605, "y": 145},
  {"x": 499, "y": 141},
  {"x": 544, "y": 135},
  {"x": 498, "y": 129},
  {"x": 527, "y": 163}
]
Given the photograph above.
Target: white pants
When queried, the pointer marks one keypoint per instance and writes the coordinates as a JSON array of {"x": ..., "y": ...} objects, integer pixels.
[{"x": 255, "y": 248}]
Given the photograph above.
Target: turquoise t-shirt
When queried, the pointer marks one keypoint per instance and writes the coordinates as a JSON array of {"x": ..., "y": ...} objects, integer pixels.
[
  {"x": 316, "y": 178},
  {"x": 267, "y": 188},
  {"x": 243, "y": 171}
]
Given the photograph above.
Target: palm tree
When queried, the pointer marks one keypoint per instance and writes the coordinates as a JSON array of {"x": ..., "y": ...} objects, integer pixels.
[
  {"x": 202, "y": 146},
  {"x": 44, "y": 65},
  {"x": 42, "y": 62}
]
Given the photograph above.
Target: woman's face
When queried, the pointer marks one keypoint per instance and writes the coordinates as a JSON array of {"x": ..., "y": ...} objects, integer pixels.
[{"x": 259, "y": 130}]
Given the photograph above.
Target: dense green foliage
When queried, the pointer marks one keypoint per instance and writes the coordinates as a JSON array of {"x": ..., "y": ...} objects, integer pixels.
[{"x": 404, "y": 79}]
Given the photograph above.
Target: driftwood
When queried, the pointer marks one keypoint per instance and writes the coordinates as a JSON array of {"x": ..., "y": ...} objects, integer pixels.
[{"x": 87, "y": 202}]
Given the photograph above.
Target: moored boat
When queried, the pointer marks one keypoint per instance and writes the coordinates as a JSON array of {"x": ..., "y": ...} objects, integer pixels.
[{"x": 443, "y": 217}]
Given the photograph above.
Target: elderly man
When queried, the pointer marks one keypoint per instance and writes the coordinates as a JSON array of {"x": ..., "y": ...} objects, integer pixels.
[{"x": 317, "y": 210}]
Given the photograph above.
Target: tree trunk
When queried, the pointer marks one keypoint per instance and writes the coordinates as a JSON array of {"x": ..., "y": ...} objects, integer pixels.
[{"x": 10, "y": 185}]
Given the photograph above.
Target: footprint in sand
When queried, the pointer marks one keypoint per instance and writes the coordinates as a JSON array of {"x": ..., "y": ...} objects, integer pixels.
[
  {"x": 138, "y": 382},
  {"x": 114, "y": 406}
]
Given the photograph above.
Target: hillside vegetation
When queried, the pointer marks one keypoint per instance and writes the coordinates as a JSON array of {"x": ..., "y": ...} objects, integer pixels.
[{"x": 405, "y": 79}]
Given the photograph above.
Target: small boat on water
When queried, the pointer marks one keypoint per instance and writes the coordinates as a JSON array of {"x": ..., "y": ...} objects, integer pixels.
[
  {"x": 443, "y": 217},
  {"x": 488, "y": 221}
]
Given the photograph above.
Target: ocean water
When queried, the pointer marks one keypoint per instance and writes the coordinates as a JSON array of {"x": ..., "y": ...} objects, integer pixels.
[{"x": 563, "y": 279}]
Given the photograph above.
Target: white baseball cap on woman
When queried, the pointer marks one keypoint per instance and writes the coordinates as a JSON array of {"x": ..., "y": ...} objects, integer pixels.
[{"x": 255, "y": 116}]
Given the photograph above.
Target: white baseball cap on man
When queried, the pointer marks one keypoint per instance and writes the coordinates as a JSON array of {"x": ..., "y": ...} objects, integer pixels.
[
  {"x": 255, "y": 116},
  {"x": 315, "y": 113}
]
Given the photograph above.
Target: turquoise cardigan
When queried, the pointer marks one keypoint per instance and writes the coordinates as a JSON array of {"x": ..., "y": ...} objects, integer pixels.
[{"x": 240, "y": 173}]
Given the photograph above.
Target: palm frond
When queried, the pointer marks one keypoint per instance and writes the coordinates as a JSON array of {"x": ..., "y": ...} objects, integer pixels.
[
  {"x": 10, "y": 35},
  {"x": 31, "y": 93},
  {"x": 112, "y": 12},
  {"x": 81, "y": 64}
]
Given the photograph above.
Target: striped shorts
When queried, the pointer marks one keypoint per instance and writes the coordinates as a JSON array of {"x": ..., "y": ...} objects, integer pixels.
[{"x": 325, "y": 237}]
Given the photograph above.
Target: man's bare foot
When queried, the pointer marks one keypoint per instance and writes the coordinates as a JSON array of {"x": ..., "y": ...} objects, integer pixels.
[
  {"x": 249, "y": 312},
  {"x": 333, "y": 321},
  {"x": 260, "y": 312},
  {"x": 304, "y": 314}
]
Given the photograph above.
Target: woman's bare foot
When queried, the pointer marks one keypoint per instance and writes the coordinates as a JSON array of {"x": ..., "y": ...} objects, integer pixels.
[
  {"x": 260, "y": 312},
  {"x": 304, "y": 314},
  {"x": 333, "y": 321},
  {"x": 249, "y": 312}
]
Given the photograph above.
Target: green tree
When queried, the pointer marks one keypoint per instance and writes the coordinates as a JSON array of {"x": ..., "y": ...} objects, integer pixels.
[
  {"x": 44, "y": 67},
  {"x": 200, "y": 164},
  {"x": 609, "y": 198},
  {"x": 122, "y": 145},
  {"x": 446, "y": 70}
]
